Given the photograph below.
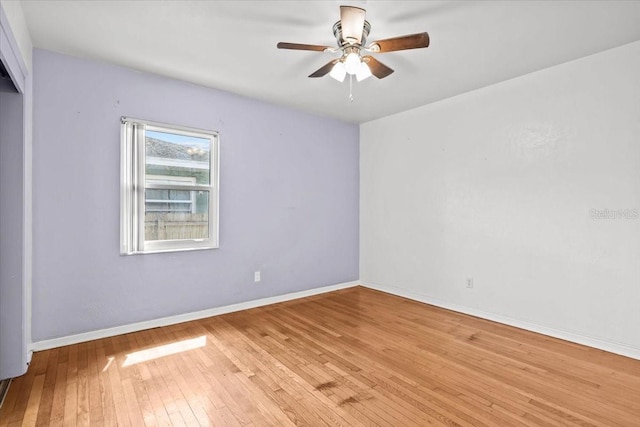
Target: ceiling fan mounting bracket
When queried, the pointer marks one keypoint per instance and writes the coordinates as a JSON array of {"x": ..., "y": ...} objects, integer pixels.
[{"x": 374, "y": 48}]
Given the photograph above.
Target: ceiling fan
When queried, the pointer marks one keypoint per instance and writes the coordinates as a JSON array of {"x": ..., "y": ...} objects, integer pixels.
[{"x": 351, "y": 33}]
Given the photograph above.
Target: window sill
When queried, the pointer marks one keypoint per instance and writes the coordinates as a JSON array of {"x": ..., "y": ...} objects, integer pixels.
[{"x": 160, "y": 251}]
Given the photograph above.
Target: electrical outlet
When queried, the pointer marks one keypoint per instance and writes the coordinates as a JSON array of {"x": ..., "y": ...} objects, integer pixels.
[
  {"x": 256, "y": 276},
  {"x": 469, "y": 282}
]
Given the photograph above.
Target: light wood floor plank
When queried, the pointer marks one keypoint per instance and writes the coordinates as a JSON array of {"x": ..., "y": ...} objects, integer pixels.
[{"x": 348, "y": 358}]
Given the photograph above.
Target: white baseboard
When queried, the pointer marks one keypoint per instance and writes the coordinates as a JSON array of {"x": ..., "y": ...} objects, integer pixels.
[
  {"x": 171, "y": 320},
  {"x": 180, "y": 318},
  {"x": 623, "y": 350}
]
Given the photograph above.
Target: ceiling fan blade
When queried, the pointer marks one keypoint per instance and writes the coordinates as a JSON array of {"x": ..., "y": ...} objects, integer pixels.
[
  {"x": 299, "y": 46},
  {"x": 377, "y": 68},
  {"x": 324, "y": 69},
  {"x": 352, "y": 21},
  {"x": 413, "y": 41}
]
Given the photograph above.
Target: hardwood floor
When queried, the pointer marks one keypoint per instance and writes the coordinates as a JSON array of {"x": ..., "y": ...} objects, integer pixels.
[{"x": 351, "y": 357}]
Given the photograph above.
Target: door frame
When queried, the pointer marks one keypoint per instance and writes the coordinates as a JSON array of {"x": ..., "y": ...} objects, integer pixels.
[{"x": 14, "y": 63}]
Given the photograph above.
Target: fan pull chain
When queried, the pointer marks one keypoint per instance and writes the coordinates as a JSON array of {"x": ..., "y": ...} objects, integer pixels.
[{"x": 351, "y": 87}]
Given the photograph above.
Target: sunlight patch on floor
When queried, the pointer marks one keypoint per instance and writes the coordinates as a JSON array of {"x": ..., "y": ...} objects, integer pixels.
[
  {"x": 110, "y": 359},
  {"x": 164, "y": 350}
]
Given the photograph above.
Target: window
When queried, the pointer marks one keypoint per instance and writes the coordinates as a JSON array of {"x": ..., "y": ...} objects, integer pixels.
[{"x": 169, "y": 185}]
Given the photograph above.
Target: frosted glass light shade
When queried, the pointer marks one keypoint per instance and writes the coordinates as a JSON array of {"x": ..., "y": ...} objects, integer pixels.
[
  {"x": 364, "y": 72},
  {"x": 338, "y": 71},
  {"x": 352, "y": 63}
]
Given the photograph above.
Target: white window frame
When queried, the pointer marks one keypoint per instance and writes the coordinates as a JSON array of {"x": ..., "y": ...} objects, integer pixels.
[
  {"x": 133, "y": 185},
  {"x": 186, "y": 179}
]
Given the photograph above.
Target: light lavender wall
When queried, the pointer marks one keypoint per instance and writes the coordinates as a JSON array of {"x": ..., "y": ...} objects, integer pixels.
[{"x": 288, "y": 200}]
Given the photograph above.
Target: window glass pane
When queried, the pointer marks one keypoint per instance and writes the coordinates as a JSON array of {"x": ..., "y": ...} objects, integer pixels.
[
  {"x": 176, "y": 214},
  {"x": 172, "y": 154}
]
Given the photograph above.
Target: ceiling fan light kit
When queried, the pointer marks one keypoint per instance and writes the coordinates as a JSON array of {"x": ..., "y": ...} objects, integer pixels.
[{"x": 351, "y": 33}]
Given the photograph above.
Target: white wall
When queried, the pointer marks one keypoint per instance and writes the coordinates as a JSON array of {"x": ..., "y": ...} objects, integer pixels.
[
  {"x": 15, "y": 17},
  {"x": 499, "y": 184}
]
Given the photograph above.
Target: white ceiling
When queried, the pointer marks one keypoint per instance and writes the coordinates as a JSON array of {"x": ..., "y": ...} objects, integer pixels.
[{"x": 231, "y": 45}]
